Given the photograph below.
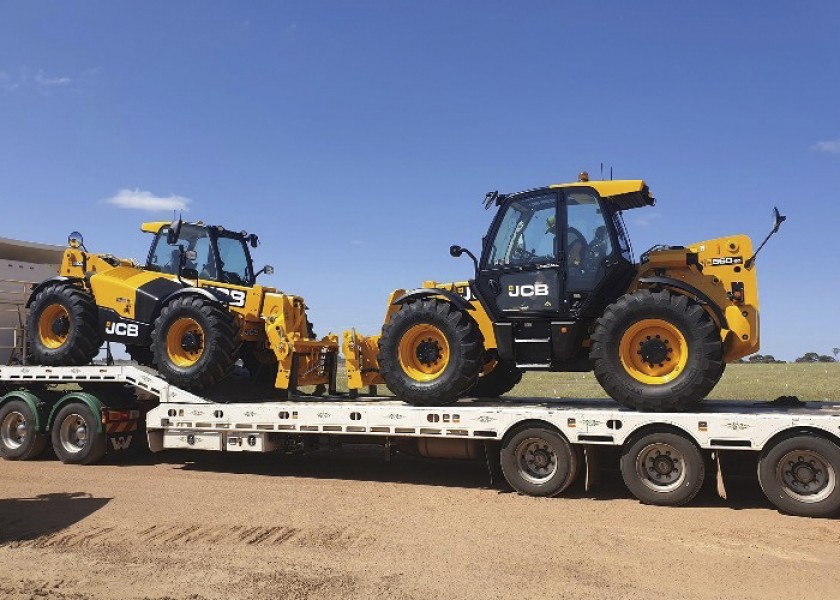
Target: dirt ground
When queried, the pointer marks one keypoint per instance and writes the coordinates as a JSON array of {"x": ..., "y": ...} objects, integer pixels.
[{"x": 346, "y": 524}]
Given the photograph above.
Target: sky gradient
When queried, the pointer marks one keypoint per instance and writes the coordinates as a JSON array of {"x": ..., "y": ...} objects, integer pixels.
[{"x": 358, "y": 138}]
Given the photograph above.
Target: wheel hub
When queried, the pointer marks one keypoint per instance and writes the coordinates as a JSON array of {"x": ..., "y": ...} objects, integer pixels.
[
  {"x": 61, "y": 326},
  {"x": 655, "y": 351},
  {"x": 428, "y": 352},
  {"x": 660, "y": 467},
  {"x": 191, "y": 341}
]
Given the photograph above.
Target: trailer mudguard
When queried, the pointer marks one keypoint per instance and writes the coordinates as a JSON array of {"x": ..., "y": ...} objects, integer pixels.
[
  {"x": 31, "y": 400},
  {"x": 419, "y": 293},
  {"x": 94, "y": 403}
]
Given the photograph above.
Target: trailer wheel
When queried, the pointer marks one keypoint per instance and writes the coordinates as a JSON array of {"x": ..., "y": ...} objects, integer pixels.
[
  {"x": 430, "y": 353},
  {"x": 63, "y": 326},
  {"x": 19, "y": 439},
  {"x": 656, "y": 351},
  {"x": 799, "y": 475},
  {"x": 194, "y": 342},
  {"x": 663, "y": 468},
  {"x": 75, "y": 436},
  {"x": 539, "y": 462}
]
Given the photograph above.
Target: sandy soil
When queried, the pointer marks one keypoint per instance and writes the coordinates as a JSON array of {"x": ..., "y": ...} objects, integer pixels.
[{"x": 346, "y": 524}]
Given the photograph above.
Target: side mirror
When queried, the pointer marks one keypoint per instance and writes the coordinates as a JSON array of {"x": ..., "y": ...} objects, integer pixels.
[
  {"x": 75, "y": 240},
  {"x": 254, "y": 240},
  {"x": 455, "y": 251},
  {"x": 174, "y": 232},
  {"x": 268, "y": 270},
  {"x": 191, "y": 255}
]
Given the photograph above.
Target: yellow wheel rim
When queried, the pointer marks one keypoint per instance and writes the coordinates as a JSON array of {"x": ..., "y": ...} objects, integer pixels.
[
  {"x": 653, "y": 351},
  {"x": 185, "y": 342},
  {"x": 424, "y": 352},
  {"x": 54, "y": 326}
]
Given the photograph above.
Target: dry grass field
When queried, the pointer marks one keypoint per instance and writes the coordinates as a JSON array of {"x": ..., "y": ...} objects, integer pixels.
[{"x": 808, "y": 381}]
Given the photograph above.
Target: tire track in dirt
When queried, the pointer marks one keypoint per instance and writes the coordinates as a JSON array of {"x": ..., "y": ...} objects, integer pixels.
[{"x": 18, "y": 534}]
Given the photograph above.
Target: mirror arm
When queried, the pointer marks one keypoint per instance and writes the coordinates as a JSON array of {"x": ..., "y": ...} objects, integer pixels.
[{"x": 778, "y": 223}]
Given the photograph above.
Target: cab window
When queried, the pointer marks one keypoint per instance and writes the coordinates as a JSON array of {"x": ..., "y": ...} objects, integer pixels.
[
  {"x": 588, "y": 241},
  {"x": 526, "y": 233},
  {"x": 233, "y": 260},
  {"x": 165, "y": 258}
]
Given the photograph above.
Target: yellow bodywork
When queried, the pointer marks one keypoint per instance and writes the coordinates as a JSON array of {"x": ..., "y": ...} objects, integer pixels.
[
  {"x": 724, "y": 277},
  {"x": 275, "y": 322}
]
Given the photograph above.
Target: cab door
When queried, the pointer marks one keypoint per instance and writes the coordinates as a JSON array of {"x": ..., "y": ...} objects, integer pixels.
[
  {"x": 521, "y": 277},
  {"x": 520, "y": 272}
]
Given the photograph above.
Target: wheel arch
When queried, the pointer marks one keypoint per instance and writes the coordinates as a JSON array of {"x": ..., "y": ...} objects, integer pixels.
[
  {"x": 790, "y": 432},
  {"x": 187, "y": 291},
  {"x": 86, "y": 398},
  {"x": 651, "y": 428},
  {"x": 31, "y": 400},
  {"x": 532, "y": 423},
  {"x": 691, "y": 292},
  {"x": 422, "y": 293},
  {"x": 57, "y": 279}
]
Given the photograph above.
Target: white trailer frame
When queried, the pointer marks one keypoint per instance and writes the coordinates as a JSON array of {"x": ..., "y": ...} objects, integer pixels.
[{"x": 184, "y": 420}]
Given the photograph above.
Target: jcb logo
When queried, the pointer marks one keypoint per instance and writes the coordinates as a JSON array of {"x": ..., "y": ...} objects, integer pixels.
[
  {"x": 527, "y": 291},
  {"x": 235, "y": 297},
  {"x": 122, "y": 442},
  {"x": 122, "y": 329}
]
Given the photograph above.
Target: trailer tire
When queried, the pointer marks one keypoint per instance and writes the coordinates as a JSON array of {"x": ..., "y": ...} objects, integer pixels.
[
  {"x": 430, "y": 353},
  {"x": 63, "y": 326},
  {"x": 76, "y": 439},
  {"x": 194, "y": 342},
  {"x": 19, "y": 438},
  {"x": 663, "y": 468},
  {"x": 656, "y": 351},
  {"x": 810, "y": 488},
  {"x": 539, "y": 462},
  {"x": 503, "y": 378}
]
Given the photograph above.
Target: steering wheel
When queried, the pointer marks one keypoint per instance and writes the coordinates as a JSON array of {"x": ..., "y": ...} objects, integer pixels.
[
  {"x": 522, "y": 254},
  {"x": 597, "y": 249},
  {"x": 575, "y": 238}
]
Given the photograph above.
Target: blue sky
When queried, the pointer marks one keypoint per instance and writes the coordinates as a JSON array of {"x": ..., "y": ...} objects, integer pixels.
[{"x": 358, "y": 138}]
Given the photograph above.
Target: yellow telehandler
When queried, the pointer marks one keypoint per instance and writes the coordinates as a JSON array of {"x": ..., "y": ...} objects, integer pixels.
[
  {"x": 190, "y": 311},
  {"x": 556, "y": 288}
]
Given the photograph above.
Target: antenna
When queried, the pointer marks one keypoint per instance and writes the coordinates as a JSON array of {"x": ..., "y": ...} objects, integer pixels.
[
  {"x": 610, "y": 173},
  {"x": 602, "y": 171}
]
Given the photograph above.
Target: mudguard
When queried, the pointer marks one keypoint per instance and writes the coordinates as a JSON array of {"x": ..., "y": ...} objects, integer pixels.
[
  {"x": 419, "y": 293},
  {"x": 689, "y": 289},
  {"x": 46, "y": 282},
  {"x": 31, "y": 401},
  {"x": 92, "y": 402}
]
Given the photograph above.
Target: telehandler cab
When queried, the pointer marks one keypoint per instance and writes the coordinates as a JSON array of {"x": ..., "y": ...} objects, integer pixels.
[
  {"x": 556, "y": 289},
  {"x": 191, "y": 311}
]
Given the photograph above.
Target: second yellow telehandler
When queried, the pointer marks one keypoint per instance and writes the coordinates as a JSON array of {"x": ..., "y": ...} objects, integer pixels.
[{"x": 556, "y": 288}]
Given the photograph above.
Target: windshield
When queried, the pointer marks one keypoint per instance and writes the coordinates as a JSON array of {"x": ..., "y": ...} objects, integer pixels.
[
  {"x": 233, "y": 260},
  {"x": 227, "y": 263}
]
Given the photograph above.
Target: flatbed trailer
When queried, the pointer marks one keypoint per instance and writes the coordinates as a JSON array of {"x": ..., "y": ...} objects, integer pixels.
[{"x": 539, "y": 446}]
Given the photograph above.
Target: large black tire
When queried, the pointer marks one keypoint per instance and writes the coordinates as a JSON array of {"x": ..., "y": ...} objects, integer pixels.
[
  {"x": 76, "y": 439},
  {"x": 539, "y": 462},
  {"x": 672, "y": 368},
  {"x": 503, "y": 378},
  {"x": 663, "y": 468},
  {"x": 194, "y": 342},
  {"x": 19, "y": 438},
  {"x": 142, "y": 355},
  {"x": 63, "y": 326},
  {"x": 430, "y": 352},
  {"x": 800, "y": 475}
]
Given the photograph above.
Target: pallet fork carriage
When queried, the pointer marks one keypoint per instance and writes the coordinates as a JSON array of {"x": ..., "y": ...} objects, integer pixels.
[{"x": 540, "y": 447}]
